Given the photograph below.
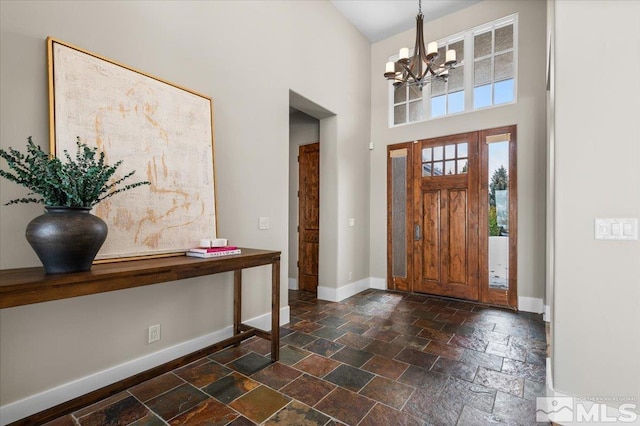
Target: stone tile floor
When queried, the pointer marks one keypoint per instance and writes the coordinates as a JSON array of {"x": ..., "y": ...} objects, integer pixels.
[{"x": 377, "y": 358}]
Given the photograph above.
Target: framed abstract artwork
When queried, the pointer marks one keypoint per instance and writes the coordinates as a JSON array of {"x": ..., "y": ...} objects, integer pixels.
[{"x": 159, "y": 129}]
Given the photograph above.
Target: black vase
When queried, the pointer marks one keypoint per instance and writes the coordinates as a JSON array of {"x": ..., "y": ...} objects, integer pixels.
[{"x": 66, "y": 239}]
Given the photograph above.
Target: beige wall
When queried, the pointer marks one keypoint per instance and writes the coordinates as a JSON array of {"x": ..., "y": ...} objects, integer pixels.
[
  {"x": 303, "y": 130},
  {"x": 247, "y": 56},
  {"x": 597, "y": 151},
  {"x": 528, "y": 113}
]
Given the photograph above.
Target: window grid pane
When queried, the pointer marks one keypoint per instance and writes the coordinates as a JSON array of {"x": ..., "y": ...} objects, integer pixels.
[{"x": 493, "y": 83}]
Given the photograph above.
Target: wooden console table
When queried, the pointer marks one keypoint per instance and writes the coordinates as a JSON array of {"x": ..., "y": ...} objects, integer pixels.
[{"x": 25, "y": 286}]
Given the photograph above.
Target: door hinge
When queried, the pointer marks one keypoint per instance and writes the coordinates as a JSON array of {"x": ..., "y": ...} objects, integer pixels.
[
  {"x": 298, "y": 229},
  {"x": 297, "y": 263},
  {"x": 298, "y": 158},
  {"x": 298, "y": 194}
]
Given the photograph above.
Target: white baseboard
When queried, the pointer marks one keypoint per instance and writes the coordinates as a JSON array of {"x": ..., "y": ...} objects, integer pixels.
[
  {"x": 378, "y": 283},
  {"x": 531, "y": 304},
  {"x": 337, "y": 294},
  {"x": 547, "y": 313},
  {"x": 293, "y": 284},
  {"x": 35, "y": 403}
]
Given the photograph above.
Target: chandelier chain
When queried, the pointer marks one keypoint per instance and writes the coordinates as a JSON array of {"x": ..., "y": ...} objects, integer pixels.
[{"x": 420, "y": 7}]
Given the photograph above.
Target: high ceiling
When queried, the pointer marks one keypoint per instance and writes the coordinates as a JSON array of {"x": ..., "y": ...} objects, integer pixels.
[{"x": 379, "y": 19}]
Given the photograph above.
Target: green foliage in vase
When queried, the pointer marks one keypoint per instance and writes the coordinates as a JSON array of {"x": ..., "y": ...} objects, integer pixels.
[{"x": 80, "y": 182}]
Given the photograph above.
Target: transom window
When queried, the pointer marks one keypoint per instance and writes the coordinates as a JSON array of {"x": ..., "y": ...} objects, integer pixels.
[
  {"x": 485, "y": 77},
  {"x": 451, "y": 159}
]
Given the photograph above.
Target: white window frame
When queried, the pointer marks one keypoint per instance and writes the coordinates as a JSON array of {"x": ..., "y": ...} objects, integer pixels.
[{"x": 469, "y": 62}]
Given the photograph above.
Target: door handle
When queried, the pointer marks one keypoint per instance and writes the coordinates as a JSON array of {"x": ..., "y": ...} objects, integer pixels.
[{"x": 416, "y": 233}]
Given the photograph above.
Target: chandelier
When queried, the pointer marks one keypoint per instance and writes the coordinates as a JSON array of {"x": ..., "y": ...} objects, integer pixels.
[{"x": 421, "y": 68}]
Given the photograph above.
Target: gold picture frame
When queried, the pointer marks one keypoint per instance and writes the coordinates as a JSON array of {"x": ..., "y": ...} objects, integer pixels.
[{"x": 162, "y": 130}]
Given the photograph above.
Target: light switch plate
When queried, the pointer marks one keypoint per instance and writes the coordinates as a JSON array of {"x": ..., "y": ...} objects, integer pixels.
[
  {"x": 616, "y": 228},
  {"x": 263, "y": 223}
]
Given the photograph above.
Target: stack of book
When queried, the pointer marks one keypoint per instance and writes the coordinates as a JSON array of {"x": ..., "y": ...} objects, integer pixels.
[{"x": 206, "y": 252}]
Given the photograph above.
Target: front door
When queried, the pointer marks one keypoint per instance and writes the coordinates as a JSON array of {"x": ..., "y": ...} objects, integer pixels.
[
  {"x": 445, "y": 216},
  {"x": 308, "y": 216}
]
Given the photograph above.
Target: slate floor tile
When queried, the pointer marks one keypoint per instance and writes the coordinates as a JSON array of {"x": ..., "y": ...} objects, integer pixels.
[
  {"x": 349, "y": 377},
  {"x": 229, "y": 354},
  {"x": 230, "y": 387},
  {"x": 482, "y": 359},
  {"x": 289, "y": 355},
  {"x": 383, "y": 415},
  {"x": 250, "y": 363},
  {"x": 411, "y": 341},
  {"x": 324, "y": 347},
  {"x": 353, "y": 357},
  {"x": 524, "y": 370},
  {"x": 276, "y": 375},
  {"x": 512, "y": 351},
  {"x": 387, "y": 391},
  {"x": 472, "y": 394},
  {"x": 386, "y": 367},
  {"x": 297, "y": 339},
  {"x": 308, "y": 389},
  {"x": 432, "y": 408},
  {"x": 260, "y": 403},
  {"x": 515, "y": 411},
  {"x": 207, "y": 413},
  {"x": 317, "y": 365},
  {"x": 345, "y": 406},
  {"x": 415, "y": 357},
  {"x": 458, "y": 369},
  {"x": 354, "y": 340},
  {"x": 122, "y": 412},
  {"x": 176, "y": 401},
  {"x": 422, "y": 378},
  {"x": 444, "y": 349},
  {"x": 298, "y": 414},
  {"x": 385, "y": 349},
  {"x": 471, "y": 416},
  {"x": 500, "y": 381},
  {"x": 201, "y": 375},
  {"x": 329, "y": 333}
]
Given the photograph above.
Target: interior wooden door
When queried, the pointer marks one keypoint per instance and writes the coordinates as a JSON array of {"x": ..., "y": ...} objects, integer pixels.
[
  {"x": 308, "y": 216},
  {"x": 445, "y": 216}
]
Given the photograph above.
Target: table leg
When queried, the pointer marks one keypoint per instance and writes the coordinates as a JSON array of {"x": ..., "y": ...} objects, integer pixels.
[
  {"x": 275, "y": 310},
  {"x": 237, "y": 302}
]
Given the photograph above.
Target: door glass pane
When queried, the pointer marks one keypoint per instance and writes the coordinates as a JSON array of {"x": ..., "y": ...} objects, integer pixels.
[
  {"x": 450, "y": 167},
  {"x": 463, "y": 166},
  {"x": 398, "y": 216},
  {"x": 462, "y": 149},
  {"x": 437, "y": 153},
  {"x": 498, "y": 214},
  {"x": 426, "y": 169},
  {"x": 438, "y": 168},
  {"x": 449, "y": 151}
]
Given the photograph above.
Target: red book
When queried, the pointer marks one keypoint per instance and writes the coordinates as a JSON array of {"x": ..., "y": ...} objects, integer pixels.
[{"x": 212, "y": 249}]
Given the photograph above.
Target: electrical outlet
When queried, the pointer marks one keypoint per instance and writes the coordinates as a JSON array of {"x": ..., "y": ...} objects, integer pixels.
[{"x": 154, "y": 333}]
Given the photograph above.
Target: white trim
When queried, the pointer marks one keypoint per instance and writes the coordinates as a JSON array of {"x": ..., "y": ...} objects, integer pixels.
[
  {"x": 547, "y": 313},
  {"x": 338, "y": 294},
  {"x": 530, "y": 304},
  {"x": 293, "y": 284},
  {"x": 378, "y": 283},
  {"x": 35, "y": 403}
]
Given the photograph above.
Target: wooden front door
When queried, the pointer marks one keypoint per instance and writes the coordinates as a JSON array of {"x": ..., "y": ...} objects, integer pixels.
[
  {"x": 308, "y": 216},
  {"x": 445, "y": 216}
]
